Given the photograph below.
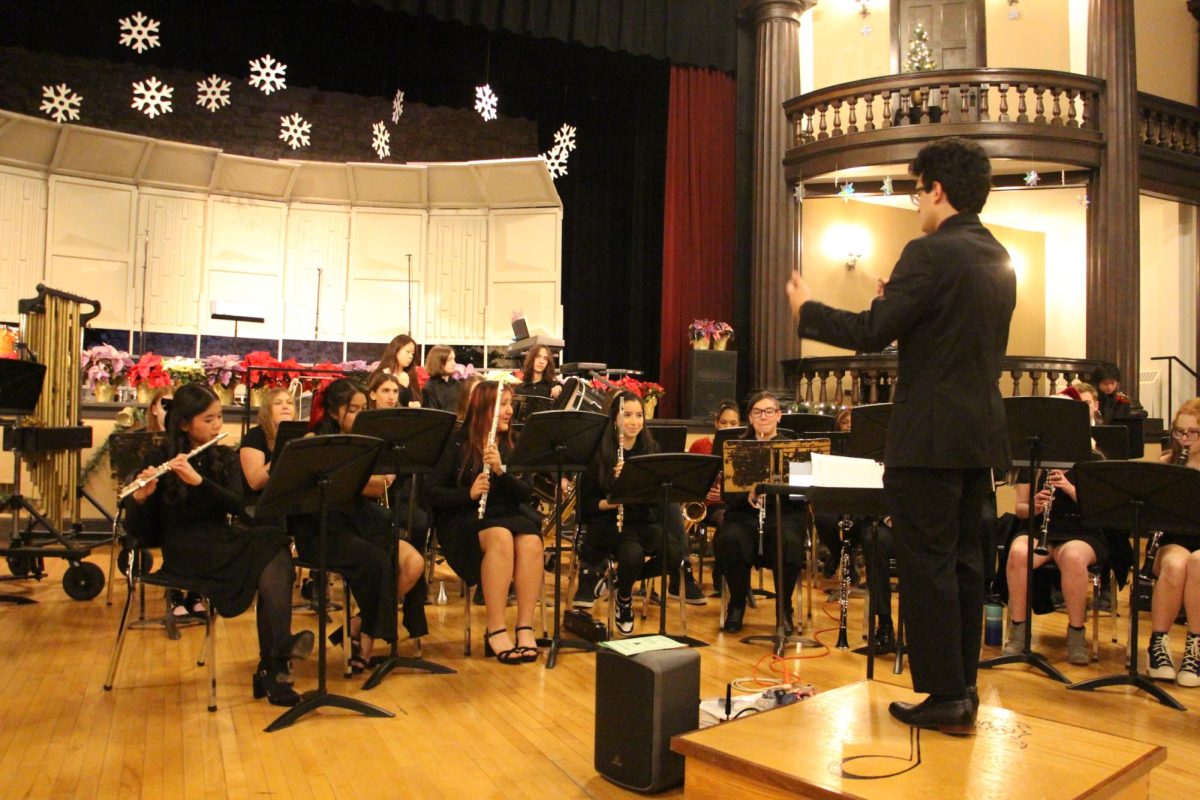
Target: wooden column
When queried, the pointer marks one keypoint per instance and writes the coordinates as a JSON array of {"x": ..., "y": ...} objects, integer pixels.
[
  {"x": 777, "y": 78},
  {"x": 1113, "y": 256}
]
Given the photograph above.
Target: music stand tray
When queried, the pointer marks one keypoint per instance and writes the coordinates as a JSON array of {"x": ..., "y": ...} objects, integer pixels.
[
  {"x": 413, "y": 441},
  {"x": 1134, "y": 495},
  {"x": 310, "y": 476},
  {"x": 665, "y": 478},
  {"x": 1049, "y": 432},
  {"x": 557, "y": 443}
]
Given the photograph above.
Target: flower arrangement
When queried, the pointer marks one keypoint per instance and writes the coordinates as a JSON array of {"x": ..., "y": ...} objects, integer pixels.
[
  {"x": 184, "y": 370},
  {"x": 104, "y": 363},
  {"x": 223, "y": 370},
  {"x": 701, "y": 329},
  {"x": 263, "y": 370},
  {"x": 149, "y": 372},
  {"x": 646, "y": 390},
  {"x": 722, "y": 334},
  {"x": 461, "y": 371}
]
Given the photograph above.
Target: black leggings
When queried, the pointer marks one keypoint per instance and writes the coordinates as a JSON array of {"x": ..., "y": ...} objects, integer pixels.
[{"x": 274, "y": 612}]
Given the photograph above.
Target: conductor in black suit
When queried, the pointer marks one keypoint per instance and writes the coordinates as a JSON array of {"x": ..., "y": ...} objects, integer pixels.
[{"x": 948, "y": 303}]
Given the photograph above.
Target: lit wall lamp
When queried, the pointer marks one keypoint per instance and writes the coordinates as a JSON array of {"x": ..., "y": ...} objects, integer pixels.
[{"x": 852, "y": 260}]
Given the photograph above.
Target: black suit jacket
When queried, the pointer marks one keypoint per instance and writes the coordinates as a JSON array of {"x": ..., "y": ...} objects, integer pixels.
[{"x": 949, "y": 303}]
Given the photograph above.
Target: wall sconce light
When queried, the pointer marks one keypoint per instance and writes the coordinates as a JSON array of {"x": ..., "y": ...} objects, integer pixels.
[
  {"x": 863, "y": 11},
  {"x": 852, "y": 260}
]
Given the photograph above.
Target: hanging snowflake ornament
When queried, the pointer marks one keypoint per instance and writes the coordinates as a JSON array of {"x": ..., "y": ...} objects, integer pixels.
[
  {"x": 212, "y": 93},
  {"x": 846, "y": 191},
  {"x": 556, "y": 161},
  {"x": 1084, "y": 202},
  {"x": 267, "y": 74},
  {"x": 565, "y": 137},
  {"x": 397, "y": 106},
  {"x": 380, "y": 139},
  {"x": 138, "y": 32},
  {"x": 485, "y": 101},
  {"x": 152, "y": 97},
  {"x": 1032, "y": 178},
  {"x": 798, "y": 193},
  {"x": 887, "y": 186},
  {"x": 865, "y": 30},
  {"x": 294, "y": 130},
  {"x": 60, "y": 103}
]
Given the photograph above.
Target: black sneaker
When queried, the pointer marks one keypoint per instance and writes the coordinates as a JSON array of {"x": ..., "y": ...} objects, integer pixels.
[
  {"x": 691, "y": 592},
  {"x": 1162, "y": 668},
  {"x": 584, "y": 596},
  {"x": 624, "y": 615}
]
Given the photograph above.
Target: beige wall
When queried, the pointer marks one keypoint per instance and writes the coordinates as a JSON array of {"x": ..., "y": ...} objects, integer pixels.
[
  {"x": 1038, "y": 39},
  {"x": 832, "y": 228},
  {"x": 840, "y": 53},
  {"x": 1167, "y": 48}
]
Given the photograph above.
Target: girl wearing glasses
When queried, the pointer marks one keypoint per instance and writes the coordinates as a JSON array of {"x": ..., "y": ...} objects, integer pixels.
[
  {"x": 736, "y": 544},
  {"x": 1177, "y": 568}
]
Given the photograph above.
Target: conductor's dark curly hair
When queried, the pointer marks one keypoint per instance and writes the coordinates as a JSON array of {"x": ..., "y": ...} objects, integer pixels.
[{"x": 960, "y": 166}]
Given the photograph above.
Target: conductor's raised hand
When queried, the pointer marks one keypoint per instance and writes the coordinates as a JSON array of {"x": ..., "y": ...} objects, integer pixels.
[
  {"x": 797, "y": 291},
  {"x": 482, "y": 482}
]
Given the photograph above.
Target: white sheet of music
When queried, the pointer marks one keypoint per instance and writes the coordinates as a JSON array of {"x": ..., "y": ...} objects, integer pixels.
[{"x": 843, "y": 472}]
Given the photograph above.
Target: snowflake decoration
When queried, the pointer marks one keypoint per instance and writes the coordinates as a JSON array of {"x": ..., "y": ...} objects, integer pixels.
[
  {"x": 397, "y": 106},
  {"x": 485, "y": 101},
  {"x": 60, "y": 102},
  {"x": 1032, "y": 178},
  {"x": 152, "y": 97},
  {"x": 138, "y": 32},
  {"x": 846, "y": 192},
  {"x": 565, "y": 137},
  {"x": 294, "y": 130},
  {"x": 556, "y": 161},
  {"x": 379, "y": 140},
  {"x": 865, "y": 30},
  {"x": 267, "y": 74},
  {"x": 1084, "y": 202},
  {"x": 212, "y": 93},
  {"x": 798, "y": 193},
  {"x": 887, "y": 186}
]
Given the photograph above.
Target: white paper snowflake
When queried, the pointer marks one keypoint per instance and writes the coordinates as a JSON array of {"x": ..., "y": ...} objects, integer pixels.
[
  {"x": 267, "y": 74},
  {"x": 212, "y": 92},
  {"x": 138, "y": 32},
  {"x": 60, "y": 102},
  {"x": 556, "y": 161},
  {"x": 1032, "y": 178},
  {"x": 379, "y": 140},
  {"x": 565, "y": 137},
  {"x": 294, "y": 130},
  {"x": 485, "y": 101},
  {"x": 887, "y": 186},
  {"x": 152, "y": 97},
  {"x": 798, "y": 193},
  {"x": 846, "y": 192},
  {"x": 397, "y": 106}
]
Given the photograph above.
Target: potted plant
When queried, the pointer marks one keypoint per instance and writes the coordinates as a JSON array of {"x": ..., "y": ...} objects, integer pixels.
[
  {"x": 184, "y": 370},
  {"x": 722, "y": 333},
  {"x": 147, "y": 375},
  {"x": 223, "y": 373},
  {"x": 651, "y": 391},
  {"x": 104, "y": 366},
  {"x": 699, "y": 332}
]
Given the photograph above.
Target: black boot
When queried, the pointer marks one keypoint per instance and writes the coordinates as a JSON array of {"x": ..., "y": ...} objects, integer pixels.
[{"x": 273, "y": 680}]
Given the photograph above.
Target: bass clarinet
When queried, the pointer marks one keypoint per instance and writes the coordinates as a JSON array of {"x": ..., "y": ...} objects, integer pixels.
[{"x": 165, "y": 467}]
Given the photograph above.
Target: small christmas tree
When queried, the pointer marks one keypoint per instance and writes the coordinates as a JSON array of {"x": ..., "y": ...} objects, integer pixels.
[{"x": 920, "y": 58}]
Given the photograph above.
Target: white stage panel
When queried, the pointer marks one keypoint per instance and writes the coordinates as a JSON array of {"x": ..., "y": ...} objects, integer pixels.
[
  {"x": 244, "y": 263},
  {"x": 377, "y": 303},
  {"x": 22, "y": 239},
  {"x": 175, "y": 257},
  {"x": 317, "y": 248}
]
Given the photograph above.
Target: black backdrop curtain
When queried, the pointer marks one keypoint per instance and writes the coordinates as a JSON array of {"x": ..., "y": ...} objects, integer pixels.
[{"x": 613, "y": 193}]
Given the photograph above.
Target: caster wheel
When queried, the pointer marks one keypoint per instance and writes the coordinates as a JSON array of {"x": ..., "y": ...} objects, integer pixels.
[
  {"x": 83, "y": 581},
  {"x": 21, "y": 566}
]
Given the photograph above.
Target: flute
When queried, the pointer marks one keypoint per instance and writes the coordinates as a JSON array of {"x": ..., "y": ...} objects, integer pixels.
[
  {"x": 620, "y": 463},
  {"x": 164, "y": 468},
  {"x": 491, "y": 441}
]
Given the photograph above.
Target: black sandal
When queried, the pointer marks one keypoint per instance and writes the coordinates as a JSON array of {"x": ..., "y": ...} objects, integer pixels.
[
  {"x": 512, "y": 656},
  {"x": 528, "y": 654}
]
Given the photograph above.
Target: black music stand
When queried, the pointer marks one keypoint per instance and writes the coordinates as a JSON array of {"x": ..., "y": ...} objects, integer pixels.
[
  {"x": 665, "y": 478},
  {"x": 558, "y": 442},
  {"x": 310, "y": 476},
  {"x": 413, "y": 441},
  {"x": 1137, "y": 495},
  {"x": 808, "y": 423},
  {"x": 1051, "y": 432},
  {"x": 780, "y": 639}
]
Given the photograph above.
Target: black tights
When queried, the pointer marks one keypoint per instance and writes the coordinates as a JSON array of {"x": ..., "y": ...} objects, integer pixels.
[{"x": 274, "y": 612}]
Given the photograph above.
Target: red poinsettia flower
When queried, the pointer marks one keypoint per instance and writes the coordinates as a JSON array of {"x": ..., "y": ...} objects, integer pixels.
[
  {"x": 422, "y": 377},
  {"x": 149, "y": 370}
]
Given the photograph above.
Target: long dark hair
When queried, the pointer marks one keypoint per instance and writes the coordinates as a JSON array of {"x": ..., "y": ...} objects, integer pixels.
[
  {"x": 387, "y": 361},
  {"x": 527, "y": 369},
  {"x": 477, "y": 425},
  {"x": 336, "y": 395},
  {"x": 190, "y": 401},
  {"x": 606, "y": 457}
]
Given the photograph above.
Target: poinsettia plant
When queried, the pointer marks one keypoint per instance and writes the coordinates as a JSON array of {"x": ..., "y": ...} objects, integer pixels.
[
  {"x": 149, "y": 370},
  {"x": 265, "y": 371},
  {"x": 722, "y": 330},
  {"x": 701, "y": 329},
  {"x": 104, "y": 363},
  {"x": 223, "y": 370},
  {"x": 185, "y": 370}
]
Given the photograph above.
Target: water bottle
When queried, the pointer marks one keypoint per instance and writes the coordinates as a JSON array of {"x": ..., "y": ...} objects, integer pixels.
[{"x": 993, "y": 622}]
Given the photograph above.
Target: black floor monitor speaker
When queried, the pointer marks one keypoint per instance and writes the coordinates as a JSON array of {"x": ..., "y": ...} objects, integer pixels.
[
  {"x": 641, "y": 702},
  {"x": 712, "y": 377}
]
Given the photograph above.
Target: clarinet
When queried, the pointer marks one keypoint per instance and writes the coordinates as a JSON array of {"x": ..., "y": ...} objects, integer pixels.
[
  {"x": 1146, "y": 573},
  {"x": 1041, "y": 547},
  {"x": 762, "y": 522},
  {"x": 844, "y": 588},
  {"x": 620, "y": 463}
]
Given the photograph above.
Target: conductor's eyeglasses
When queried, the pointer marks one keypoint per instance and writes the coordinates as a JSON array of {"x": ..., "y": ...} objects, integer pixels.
[
  {"x": 1191, "y": 434},
  {"x": 763, "y": 413}
]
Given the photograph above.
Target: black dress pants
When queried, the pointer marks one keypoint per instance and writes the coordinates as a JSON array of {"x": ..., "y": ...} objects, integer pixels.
[{"x": 936, "y": 516}]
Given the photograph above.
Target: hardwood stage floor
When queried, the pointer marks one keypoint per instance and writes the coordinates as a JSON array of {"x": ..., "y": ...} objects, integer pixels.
[{"x": 489, "y": 731}]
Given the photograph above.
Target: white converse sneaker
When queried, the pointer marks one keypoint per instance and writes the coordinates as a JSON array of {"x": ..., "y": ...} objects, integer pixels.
[
  {"x": 1162, "y": 668},
  {"x": 1189, "y": 671},
  {"x": 624, "y": 615}
]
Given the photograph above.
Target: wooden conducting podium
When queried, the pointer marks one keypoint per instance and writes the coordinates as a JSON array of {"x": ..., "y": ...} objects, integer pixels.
[{"x": 843, "y": 743}]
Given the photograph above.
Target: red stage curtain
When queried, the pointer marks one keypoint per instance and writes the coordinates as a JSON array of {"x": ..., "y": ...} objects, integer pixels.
[{"x": 698, "y": 236}]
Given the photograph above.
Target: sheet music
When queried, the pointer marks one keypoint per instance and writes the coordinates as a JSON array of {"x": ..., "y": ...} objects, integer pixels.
[{"x": 846, "y": 473}]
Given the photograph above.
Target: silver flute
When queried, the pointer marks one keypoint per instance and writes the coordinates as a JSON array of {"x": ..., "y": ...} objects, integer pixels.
[
  {"x": 483, "y": 498},
  {"x": 620, "y": 463},
  {"x": 165, "y": 467}
]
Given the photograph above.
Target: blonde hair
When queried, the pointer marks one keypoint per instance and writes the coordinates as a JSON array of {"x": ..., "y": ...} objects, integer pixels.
[
  {"x": 155, "y": 399},
  {"x": 265, "y": 419},
  {"x": 1192, "y": 409}
]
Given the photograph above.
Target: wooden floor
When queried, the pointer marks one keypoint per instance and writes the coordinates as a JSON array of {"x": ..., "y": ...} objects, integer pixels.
[{"x": 489, "y": 731}]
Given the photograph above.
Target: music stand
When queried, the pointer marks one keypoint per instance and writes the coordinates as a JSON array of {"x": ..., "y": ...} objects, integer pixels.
[
  {"x": 808, "y": 423},
  {"x": 670, "y": 438},
  {"x": 1052, "y": 433},
  {"x": 310, "y": 476},
  {"x": 665, "y": 478},
  {"x": 1137, "y": 495},
  {"x": 558, "y": 442},
  {"x": 413, "y": 441}
]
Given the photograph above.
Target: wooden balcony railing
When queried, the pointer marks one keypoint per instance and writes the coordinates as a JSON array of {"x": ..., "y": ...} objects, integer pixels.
[
  {"x": 830, "y": 381},
  {"x": 1170, "y": 147}
]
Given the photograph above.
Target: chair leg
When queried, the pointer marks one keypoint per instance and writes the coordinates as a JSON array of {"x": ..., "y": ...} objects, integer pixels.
[
  {"x": 682, "y": 597},
  {"x": 210, "y": 639},
  {"x": 122, "y": 628},
  {"x": 347, "y": 646},
  {"x": 112, "y": 562},
  {"x": 542, "y": 602},
  {"x": 1097, "y": 581},
  {"x": 724, "y": 587},
  {"x": 610, "y": 581},
  {"x": 466, "y": 590}
]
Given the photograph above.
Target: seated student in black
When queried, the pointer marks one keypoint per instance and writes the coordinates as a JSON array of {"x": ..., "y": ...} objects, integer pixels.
[
  {"x": 359, "y": 538},
  {"x": 540, "y": 377},
  {"x": 258, "y": 445},
  {"x": 736, "y": 543},
  {"x": 628, "y": 533},
  {"x": 400, "y": 359},
  {"x": 502, "y": 547},
  {"x": 190, "y": 507},
  {"x": 441, "y": 390}
]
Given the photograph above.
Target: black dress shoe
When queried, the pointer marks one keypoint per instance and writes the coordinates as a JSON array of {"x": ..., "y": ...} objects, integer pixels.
[
  {"x": 733, "y": 619},
  {"x": 789, "y": 626},
  {"x": 958, "y": 713},
  {"x": 973, "y": 696}
]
